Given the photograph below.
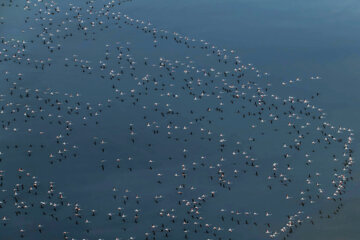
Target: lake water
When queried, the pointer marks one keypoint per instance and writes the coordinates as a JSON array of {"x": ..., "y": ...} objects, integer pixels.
[{"x": 289, "y": 40}]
